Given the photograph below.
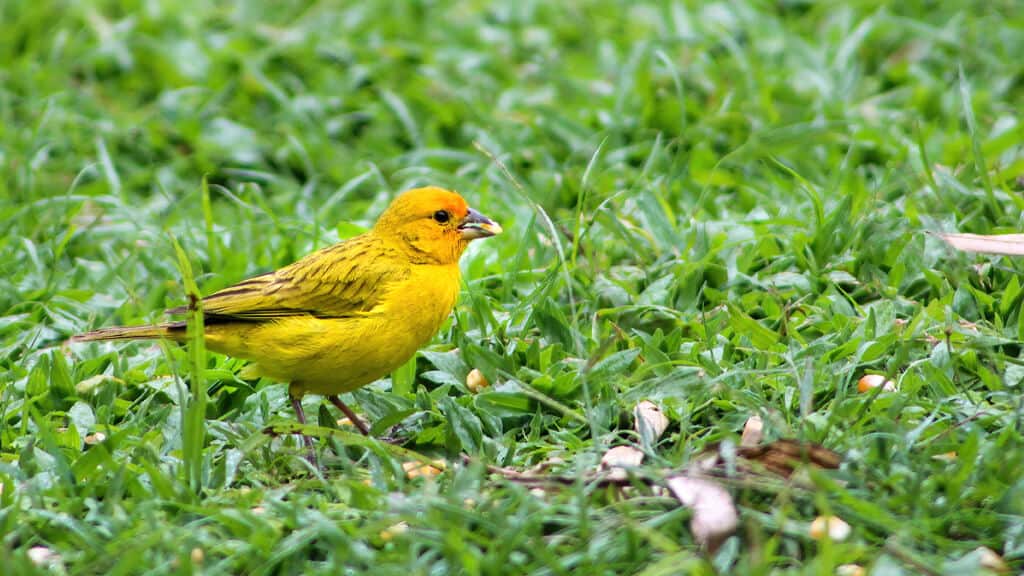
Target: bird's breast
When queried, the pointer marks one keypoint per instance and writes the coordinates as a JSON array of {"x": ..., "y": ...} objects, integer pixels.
[{"x": 424, "y": 301}]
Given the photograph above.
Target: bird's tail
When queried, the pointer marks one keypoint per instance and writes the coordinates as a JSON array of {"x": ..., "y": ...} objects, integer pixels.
[{"x": 170, "y": 330}]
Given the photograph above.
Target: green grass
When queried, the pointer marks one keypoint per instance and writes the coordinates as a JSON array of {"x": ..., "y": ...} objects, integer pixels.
[{"x": 719, "y": 207}]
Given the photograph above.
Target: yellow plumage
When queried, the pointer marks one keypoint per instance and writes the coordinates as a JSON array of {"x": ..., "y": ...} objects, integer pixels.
[
  {"x": 335, "y": 354},
  {"x": 346, "y": 315}
]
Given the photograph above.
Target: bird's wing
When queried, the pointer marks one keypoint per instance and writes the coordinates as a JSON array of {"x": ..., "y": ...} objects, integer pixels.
[{"x": 345, "y": 280}]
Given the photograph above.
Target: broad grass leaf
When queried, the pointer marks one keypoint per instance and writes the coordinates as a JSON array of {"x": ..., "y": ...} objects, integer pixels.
[
  {"x": 760, "y": 336},
  {"x": 503, "y": 404},
  {"x": 1011, "y": 293},
  {"x": 614, "y": 363},
  {"x": 464, "y": 427},
  {"x": 450, "y": 362}
]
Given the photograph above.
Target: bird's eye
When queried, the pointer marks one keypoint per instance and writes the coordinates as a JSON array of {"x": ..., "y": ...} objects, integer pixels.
[{"x": 441, "y": 216}]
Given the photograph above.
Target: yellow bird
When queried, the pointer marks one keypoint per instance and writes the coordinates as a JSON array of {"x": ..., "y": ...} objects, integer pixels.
[{"x": 347, "y": 315}]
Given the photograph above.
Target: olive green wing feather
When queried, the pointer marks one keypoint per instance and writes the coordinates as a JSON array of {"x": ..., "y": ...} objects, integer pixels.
[{"x": 341, "y": 281}]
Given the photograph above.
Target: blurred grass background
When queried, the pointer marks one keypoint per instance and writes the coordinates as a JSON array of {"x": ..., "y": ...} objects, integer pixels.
[{"x": 717, "y": 206}]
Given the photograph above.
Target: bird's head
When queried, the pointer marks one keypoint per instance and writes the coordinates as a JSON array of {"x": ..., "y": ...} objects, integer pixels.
[{"x": 435, "y": 225}]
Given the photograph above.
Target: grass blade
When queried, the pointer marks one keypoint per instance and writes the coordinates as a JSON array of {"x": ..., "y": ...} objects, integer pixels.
[{"x": 193, "y": 423}]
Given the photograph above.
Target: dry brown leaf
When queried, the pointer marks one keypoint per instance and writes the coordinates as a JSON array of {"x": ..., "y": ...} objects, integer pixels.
[
  {"x": 89, "y": 384},
  {"x": 622, "y": 456},
  {"x": 850, "y": 570},
  {"x": 783, "y": 456},
  {"x": 95, "y": 438},
  {"x": 545, "y": 465},
  {"x": 648, "y": 416},
  {"x": 708, "y": 460},
  {"x": 394, "y": 530},
  {"x": 476, "y": 381},
  {"x": 619, "y": 458},
  {"x": 968, "y": 325},
  {"x": 714, "y": 513},
  {"x": 753, "y": 432},
  {"x": 989, "y": 560},
  {"x": 418, "y": 469},
  {"x": 1006, "y": 244},
  {"x": 869, "y": 382},
  {"x": 43, "y": 556},
  {"x": 780, "y": 457},
  {"x": 833, "y": 527}
]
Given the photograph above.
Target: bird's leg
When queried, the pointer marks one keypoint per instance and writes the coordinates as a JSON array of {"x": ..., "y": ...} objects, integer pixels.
[
  {"x": 300, "y": 415},
  {"x": 356, "y": 421}
]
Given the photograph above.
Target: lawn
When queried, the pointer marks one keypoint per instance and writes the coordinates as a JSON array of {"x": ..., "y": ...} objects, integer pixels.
[{"x": 722, "y": 208}]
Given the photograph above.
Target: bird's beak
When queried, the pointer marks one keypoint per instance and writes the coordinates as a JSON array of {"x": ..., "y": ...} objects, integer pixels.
[{"x": 476, "y": 225}]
